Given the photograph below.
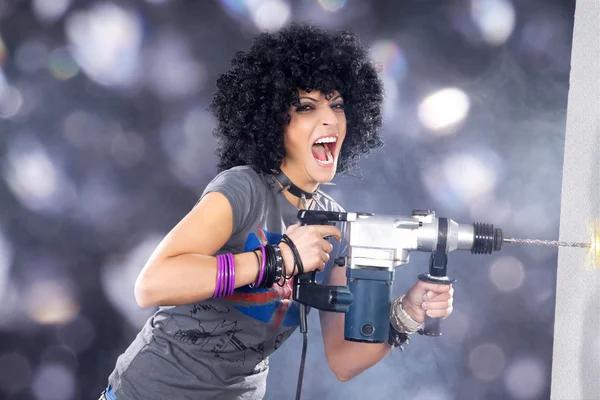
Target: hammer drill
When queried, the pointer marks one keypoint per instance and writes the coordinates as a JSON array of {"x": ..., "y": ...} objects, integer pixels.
[{"x": 377, "y": 244}]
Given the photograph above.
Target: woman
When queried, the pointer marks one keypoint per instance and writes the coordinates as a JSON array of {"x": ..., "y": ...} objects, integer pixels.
[{"x": 291, "y": 112}]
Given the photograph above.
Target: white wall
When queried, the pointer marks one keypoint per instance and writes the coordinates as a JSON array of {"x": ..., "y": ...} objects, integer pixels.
[{"x": 576, "y": 358}]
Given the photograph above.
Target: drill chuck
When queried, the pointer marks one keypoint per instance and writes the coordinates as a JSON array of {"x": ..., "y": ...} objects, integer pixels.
[{"x": 486, "y": 238}]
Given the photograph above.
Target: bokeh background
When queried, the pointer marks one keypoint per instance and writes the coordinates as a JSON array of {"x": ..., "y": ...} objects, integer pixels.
[{"x": 105, "y": 144}]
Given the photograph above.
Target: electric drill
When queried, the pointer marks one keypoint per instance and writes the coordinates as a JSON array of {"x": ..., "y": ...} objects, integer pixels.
[{"x": 377, "y": 244}]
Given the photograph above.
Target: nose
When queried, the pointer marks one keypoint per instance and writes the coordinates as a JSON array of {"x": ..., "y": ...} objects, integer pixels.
[{"x": 328, "y": 116}]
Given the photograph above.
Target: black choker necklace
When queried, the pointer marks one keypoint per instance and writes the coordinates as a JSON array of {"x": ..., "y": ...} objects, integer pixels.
[{"x": 290, "y": 187}]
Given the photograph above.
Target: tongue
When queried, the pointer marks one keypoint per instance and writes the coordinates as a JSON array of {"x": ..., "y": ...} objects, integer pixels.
[{"x": 319, "y": 152}]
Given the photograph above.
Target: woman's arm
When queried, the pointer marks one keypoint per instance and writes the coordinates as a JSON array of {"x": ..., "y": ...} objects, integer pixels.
[{"x": 182, "y": 269}]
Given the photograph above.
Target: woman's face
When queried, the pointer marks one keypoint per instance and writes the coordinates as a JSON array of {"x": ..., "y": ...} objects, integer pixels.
[{"x": 314, "y": 137}]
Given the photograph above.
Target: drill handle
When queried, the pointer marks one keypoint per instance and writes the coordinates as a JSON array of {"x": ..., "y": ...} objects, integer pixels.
[
  {"x": 307, "y": 292},
  {"x": 438, "y": 263},
  {"x": 311, "y": 218}
]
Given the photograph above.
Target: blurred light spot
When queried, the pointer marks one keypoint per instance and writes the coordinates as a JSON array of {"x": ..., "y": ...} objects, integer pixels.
[
  {"x": 127, "y": 148},
  {"x": 11, "y": 101},
  {"x": 507, "y": 273},
  {"x": 61, "y": 64},
  {"x": 77, "y": 334},
  {"x": 237, "y": 6},
  {"x": 34, "y": 178},
  {"x": 172, "y": 70},
  {"x": 442, "y": 112},
  {"x": 15, "y": 373},
  {"x": 82, "y": 129},
  {"x": 6, "y": 254},
  {"x": 31, "y": 56},
  {"x": 332, "y": 5},
  {"x": 269, "y": 15},
  {"x": 106, "y": 42},
  {"x": 486, "y": 361},
  {"x": 189, "y": 145},
  {"x": 50, "y": 10},
  {"x": 468, "y": 176},
  {"x": 99, "y": 198},
  {"x": 460, "y": 179},
  {"x": 50, "y": 302},
  {"x": 389, "y": 55},
  {"x": 54, "y": 381},
  {"x": 119, "y": 276},
  {"x": 525, "y": 379},
  {"x": 495, "y": 19}
]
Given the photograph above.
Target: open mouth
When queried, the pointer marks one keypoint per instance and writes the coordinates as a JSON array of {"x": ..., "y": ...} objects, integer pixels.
[{"x": 324, "y": 149}]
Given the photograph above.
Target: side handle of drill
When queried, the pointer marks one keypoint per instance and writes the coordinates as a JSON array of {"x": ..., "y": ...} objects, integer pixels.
[{"x": 438, "y": 264}]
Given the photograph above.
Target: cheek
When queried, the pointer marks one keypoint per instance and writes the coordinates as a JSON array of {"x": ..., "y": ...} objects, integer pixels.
[
  {"x": 299, "y": 133},
  {"x": 294, "y": 142},
  {"x": 342, "y": 123}
]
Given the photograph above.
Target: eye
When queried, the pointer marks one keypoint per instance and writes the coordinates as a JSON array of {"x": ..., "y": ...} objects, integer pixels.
[
  {"x": 304, "y": 107},
  {"x": 339, "y": 106}
]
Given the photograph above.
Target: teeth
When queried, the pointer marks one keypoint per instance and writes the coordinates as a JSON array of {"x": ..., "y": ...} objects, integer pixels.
[
  {"x": 329, "y": 159},
  {"x": 326, "y": 140}
]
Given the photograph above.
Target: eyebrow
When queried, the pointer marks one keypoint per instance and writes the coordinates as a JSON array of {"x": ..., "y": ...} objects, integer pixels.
[{"x": 316, "y": 101}]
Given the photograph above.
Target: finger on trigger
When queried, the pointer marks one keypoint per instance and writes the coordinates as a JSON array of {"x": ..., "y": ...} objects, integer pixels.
[{"x": 330, "y": 230}]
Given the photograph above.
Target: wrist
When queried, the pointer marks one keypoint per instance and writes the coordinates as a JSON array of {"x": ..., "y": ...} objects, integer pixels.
[
  {"x": 288, "y": 259},
  {"x": 400, "y": 318},
  {"x": 416, "y": 313}
]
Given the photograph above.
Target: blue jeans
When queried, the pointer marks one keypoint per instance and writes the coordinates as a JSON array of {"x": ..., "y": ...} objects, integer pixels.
[{"x": 108, "y": 394}]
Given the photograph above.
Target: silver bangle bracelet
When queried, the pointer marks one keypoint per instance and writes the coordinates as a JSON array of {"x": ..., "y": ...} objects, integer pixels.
[{"x": 400, "y": 319}]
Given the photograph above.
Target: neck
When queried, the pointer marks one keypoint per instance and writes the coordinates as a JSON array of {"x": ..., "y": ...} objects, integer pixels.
[
  {"x": 302, "y": 184},
  {"x": 299, "y": 178}
]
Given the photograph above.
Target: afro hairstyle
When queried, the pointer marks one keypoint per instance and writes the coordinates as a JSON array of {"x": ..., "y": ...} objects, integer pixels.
[{"x": 252, "y": 100}]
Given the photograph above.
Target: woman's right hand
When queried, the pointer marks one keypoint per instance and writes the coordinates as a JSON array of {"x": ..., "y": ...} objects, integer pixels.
[{"x": 312, "y": 246}]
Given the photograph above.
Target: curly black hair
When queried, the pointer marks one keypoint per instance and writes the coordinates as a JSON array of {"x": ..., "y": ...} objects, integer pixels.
[{"x": 253, "y": 98}]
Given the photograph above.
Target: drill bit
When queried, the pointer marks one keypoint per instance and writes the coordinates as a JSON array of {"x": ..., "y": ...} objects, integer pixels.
[{"x": 547, "y": 242}]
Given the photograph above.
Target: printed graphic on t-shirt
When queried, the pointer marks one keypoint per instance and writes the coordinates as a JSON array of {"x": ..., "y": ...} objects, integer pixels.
[
  {"x": 273, "y": 305},
  {"x": 226, "y": 346}
]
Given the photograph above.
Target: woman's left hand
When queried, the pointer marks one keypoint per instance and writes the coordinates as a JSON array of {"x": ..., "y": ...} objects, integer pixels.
[{"x": 431, "y": 299}]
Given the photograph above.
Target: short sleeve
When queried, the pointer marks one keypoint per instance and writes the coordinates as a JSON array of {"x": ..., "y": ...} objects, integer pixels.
[{"x": 240, "y": 187}]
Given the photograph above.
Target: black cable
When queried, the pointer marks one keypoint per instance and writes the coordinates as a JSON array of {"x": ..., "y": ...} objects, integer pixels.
[
  {"x": 302, "y": 359},
  {"x": 298, "y": 262}
]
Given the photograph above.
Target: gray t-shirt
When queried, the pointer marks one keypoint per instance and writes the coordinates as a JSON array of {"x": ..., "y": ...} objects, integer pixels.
[{"x": 219, "y": 348}]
